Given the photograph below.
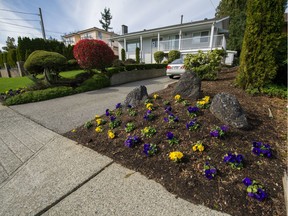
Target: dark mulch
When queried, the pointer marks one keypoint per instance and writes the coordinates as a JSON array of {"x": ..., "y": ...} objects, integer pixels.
[{"x": 225, "y": 192}]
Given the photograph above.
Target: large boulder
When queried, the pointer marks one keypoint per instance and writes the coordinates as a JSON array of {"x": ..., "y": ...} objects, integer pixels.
[
  {"x": 188, "y": 86},
  {"x": 136, "y": 96},
  {"x": 227, "y": 109}
]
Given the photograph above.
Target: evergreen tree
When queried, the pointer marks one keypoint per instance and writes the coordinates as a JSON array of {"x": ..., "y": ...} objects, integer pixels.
[
  {"x": 106, "y": 19},
  {"x": 261, "y": 40},
  {"x": 10, "y": 44},
  {"x": 236, "y": 10}
]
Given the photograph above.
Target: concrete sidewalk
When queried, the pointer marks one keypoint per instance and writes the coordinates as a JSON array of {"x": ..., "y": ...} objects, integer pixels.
[{"x": 45, "y": 173}]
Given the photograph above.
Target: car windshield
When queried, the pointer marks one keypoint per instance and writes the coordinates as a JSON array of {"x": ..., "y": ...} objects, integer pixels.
[{"x": 177, "y": 61}]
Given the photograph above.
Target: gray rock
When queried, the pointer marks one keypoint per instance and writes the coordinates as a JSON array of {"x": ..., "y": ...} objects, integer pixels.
[
  {"x": 136, "y": 96},
  {"x": 227, "y": 109},
  {"x": 189, "y": 86}
]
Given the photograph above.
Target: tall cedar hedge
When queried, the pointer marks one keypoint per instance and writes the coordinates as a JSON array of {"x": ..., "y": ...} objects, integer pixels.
[{"x": 264, "y": 25}]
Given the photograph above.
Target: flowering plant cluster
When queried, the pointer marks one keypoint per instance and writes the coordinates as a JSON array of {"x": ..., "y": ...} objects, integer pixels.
[
  {"x": 12, "y": 92},
  {"x": 149, "y": 106},
  {"x": 255, "y": 189},
  {"x": 178, "y": 98},
  {"x": 118, "y": 110},
  {"x": 131, "y": 111},
  {"x": 209, "y": 171},
  {"x": 234, "y": 160},
  {"x": 111, "y": 134},
  {"x": 192, "y": 111},
  {"x": 261, "y": 149},
  {"x": 219, "y": 132},
  {"x": 171, "y": 138},
  {"x": 176, "y": 156},
  {"x": 171, "y": 119},
  {"x": 198, "y": 146},
  {"x": 114, "y": 122},
  {"x": 130, "y": 126},
  {"x": 192, "y": 125},
  {"x": 148, "y": 131},
  {"x": 131, "y": 141},
  {"x": 100, "y": 121},
  {"x": 149, "y": 115},
  {"x": 168, "y": 109},
  {"x": 150, "y": 149},
  {"x": 99, "y": 129},
  {"x": 156, "y": 96},
  {"x": 204, "y": 103}
]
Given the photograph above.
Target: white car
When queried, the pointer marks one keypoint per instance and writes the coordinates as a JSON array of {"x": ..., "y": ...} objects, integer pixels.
[{"x": 175, "y": 68}]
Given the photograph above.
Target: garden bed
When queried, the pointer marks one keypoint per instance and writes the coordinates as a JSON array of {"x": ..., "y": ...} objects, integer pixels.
[{"x": 226, "y": 191}]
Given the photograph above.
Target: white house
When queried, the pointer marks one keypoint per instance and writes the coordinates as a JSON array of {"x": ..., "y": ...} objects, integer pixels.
[{"x": 207, "y": 34}]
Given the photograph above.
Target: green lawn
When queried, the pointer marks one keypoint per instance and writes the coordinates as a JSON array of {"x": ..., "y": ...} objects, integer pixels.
[{"x": 20, "y": 82}]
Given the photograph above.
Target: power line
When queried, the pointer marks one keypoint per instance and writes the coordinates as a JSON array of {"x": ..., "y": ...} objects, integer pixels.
[
  {"x": 19, "y": 25},
  {"x": 212, "y": 4},
  {"x": 18, "y": 32},
  {"x": 19, "y": 19},
  {"x": 18, "y": 12}
]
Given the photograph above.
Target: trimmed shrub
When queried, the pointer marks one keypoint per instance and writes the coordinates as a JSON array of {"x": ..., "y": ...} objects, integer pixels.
[
  {"x": 159, "y": 56},
  {"x": 173, "y": 55},
  {"x": 129, "y": 61},
  {"x": 40, "y": 60},
  {"x": 114, "y": 70},
  {"x": 123, "y": 55},
  {"x": 137, "y": 51},
  {"x": 98, "y": 81},
  {"x": 205, "y": 65},
  {"x": 72, "y": 65},
  {"x": 93, "y": 54},
  {"x": 117, "y": 63}
]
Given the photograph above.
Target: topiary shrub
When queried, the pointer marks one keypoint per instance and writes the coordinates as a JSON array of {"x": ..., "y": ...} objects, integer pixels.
[
  {"x": 173, "y": 55},
  {"x": 49, "y": 62},
  {"x": 159, "y": 56},
  {"x": 123, "y": 55},
  {"x": 137, "y": 51},
  {"x": 129, "y": 61},
  {"x": 205, "y": 65},
  {"x": 93, "y": 54}
]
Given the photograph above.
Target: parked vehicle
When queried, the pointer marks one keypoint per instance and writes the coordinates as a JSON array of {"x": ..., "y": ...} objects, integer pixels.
[{"x": 175, "y": 68}]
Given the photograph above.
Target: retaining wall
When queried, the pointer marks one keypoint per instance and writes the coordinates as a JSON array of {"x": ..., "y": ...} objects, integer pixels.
[{"x": 136, "y": 75}]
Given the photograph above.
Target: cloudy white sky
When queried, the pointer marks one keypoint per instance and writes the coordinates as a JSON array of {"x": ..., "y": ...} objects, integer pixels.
[{"x": 66, "y": 16}]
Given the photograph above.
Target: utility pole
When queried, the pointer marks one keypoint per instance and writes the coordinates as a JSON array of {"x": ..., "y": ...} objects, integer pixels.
[{"x": 42, "y": 24}]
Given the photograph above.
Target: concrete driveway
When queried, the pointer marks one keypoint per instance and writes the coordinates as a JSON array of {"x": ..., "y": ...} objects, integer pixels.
[{"x": 63, "y": 114}]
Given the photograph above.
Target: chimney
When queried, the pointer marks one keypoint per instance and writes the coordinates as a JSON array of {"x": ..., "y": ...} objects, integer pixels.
[
  {"x": 124, "y": 29},
  {"x": 181, "y": 19}
]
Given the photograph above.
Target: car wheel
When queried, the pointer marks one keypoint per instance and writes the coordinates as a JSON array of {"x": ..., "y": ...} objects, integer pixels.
[{"x": 171, "y": 76}]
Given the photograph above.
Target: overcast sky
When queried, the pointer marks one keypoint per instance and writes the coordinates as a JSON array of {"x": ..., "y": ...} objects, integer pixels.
[{"x": 66, "y": 16}]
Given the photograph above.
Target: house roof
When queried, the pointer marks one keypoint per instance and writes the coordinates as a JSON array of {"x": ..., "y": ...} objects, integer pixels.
[
  {"x": 89, "y": 30},
  {"x": 173, "y": 27}
]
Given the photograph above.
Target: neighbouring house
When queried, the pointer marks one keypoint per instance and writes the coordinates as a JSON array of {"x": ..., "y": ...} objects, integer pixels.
[
  {"x": 207, "y": 34},
  {"x": 92, "y": 33}
]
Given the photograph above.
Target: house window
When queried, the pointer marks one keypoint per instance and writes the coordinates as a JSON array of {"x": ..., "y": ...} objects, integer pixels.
[
  {"x": 100, "y": 35},
  {"x": 203, "y": 36},
  {"x": 86, "y": 36},
  {"x": 131, "y": 46}
]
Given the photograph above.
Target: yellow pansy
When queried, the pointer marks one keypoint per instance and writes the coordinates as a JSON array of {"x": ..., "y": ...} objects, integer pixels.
[
  {"x": 73, "y": 131},
  {"x": 194, "y": 148},
  {"x": 149, "y": 106},
  {"x": 99, "y": 121},
  {"x": 177, "y": 97},
  {"x": 200, "y": 147},
  {"x": 206, "y": 99},
  {"x": 201, "y": 102},
  {"x": 111, "y": 135},
  {"x": 98, "y": 129},
  {"x": 97, "y": 116},
  {"x": 146, "y": 130},
  {"x": 155, "y": 96},
  {"x": 176, "y": 156}
]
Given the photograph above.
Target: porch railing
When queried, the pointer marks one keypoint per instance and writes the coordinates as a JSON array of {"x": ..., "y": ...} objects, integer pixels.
[{"x": 193, "y": 43}]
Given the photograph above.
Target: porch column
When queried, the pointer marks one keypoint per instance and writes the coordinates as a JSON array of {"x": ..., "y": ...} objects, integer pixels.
[
  {"x": 224, "y": 42},
  {"x": 211, "y": 37},
  {"x": 125, "y": 48},
  {"x": 141, "y": 48},
  {"x": 180, "y": 38},
  {"x": 158, "y": 42}
]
